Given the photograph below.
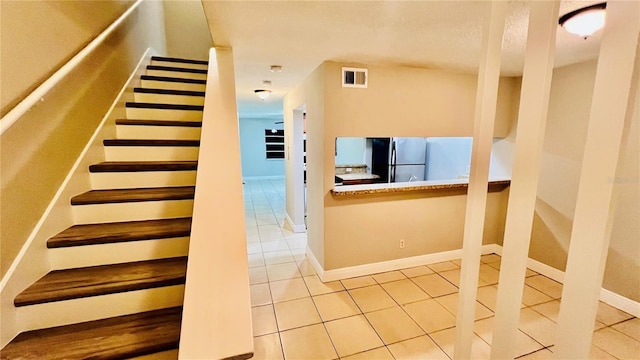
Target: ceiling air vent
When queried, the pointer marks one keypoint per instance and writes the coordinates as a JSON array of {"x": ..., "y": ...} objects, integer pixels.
[{"x": 354, "y": 77}]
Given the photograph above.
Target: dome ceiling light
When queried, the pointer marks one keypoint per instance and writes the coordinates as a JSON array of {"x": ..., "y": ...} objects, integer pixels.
[
  {"x": 586, "y": 21},
  {"x": 262, "y": 93}
]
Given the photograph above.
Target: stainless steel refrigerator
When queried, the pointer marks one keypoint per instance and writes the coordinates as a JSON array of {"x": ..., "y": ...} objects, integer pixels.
[{"x": 400, "y": 159}]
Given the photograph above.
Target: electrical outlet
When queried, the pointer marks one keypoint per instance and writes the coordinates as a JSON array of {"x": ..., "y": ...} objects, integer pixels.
[{"x": 402, "y": 244}]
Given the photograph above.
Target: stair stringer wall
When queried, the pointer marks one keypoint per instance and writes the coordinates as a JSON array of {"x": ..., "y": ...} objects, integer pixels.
[{"x": 33, "y": 261}]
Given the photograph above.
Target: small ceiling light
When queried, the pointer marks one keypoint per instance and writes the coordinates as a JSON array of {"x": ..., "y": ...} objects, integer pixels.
[
  {"x": 266, "y": 82},
  {"x": 586, "y": 21},
  {"x": 276, "y": 68},
  {"x": 262, "y": 93}
]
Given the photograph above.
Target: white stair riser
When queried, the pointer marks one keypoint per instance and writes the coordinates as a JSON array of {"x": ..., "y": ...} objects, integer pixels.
[
  {"x": 145, "y": 210},
  {"x": 163, "y": 114},
  {"x": 151, "y": 153},
  {"x": 103, "y": 254},
  {"x": 140, "y": 179},
  {"x": 178, "y": 65},
  {"x": 146, "y": 132},
  {"x": 165, "y": 355},
  {"x": 154, "y": 84},
  {"x": 168, "y": 99},
  {"x": 179, "y": 74},
  {"x": 98, "y": 307}
]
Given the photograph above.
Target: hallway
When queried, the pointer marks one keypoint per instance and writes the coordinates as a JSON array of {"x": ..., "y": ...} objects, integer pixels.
[{"x": 405, "y": 314}]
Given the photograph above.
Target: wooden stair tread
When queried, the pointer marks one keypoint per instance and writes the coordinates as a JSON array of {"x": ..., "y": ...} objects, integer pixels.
[
  {"x": 179, "y": 60},
  {"x": 137, "y": 166},
  {"x": 107, "y": 233},
  {"x": 176, "y": 69},
  {"x": 111, "y": 196},
  {"x": 112, "y": 338},
  {"x": 144, "y": 142},
  {"x": 83, "y": 282},
  {"x": 173, "y": 79},
  {"x": 168, "y": 92},
  {"x": 143, "y": 105},
  {"x": 146, "y": 122}
]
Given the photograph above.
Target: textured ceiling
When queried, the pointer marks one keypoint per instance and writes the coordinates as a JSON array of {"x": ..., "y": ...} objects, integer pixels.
[{"x": 300, "y": 35}]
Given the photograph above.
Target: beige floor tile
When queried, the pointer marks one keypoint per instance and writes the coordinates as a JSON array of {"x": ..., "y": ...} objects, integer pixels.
[
  {"x": 299, "y": 254},
  {"x": 490, "y": 258},
  {"x": 254, "y": 248},
  {"x": 430, "y": 315},
  {"x": 288, "y": 289},
  {"x": 616, "y": 343},
  {"x": 335, "y": 306},
  {"x": 609, "y": 315},
  {"x": 371, "y": 298},
  {"x": 309, "y": 342},
  {"x": 524, "y": 344},
  {"x": 260, "y": 294},
  {"x": 435, "y": 285},
  {"x": 306, "y": 268},
  {"x": 443, "y": 266},
  {"x": 405, "y": 291},
  {"x": 278, "y": 257},
  {"x": 598, "y": 354},
  {"x": 381, "y": 353},
  {"x": 531, "y": 296},
  {"x": 457, "y": 262},
  {"x": 357, "y": 282},
  {"x": 488, "y": 275},
  {"x": 487, "y": 296},
  {"x": 419, "y": 348},
  {"x": 388, "y": 277},
  {"x": 258, "y": 275},
  {"x": 296, "y": 313},
  {"x": 450, "y": 302},
  {"x": 543, "y": 354},
  {"x": 274, "y": 245},
  {"x": 264, "y": 320},
  {"x": 539, "y": 327},
  {"x": 255, "y": 260},
  {"x": 297, "y": 243},
  {"x": 630, "y": 328},
  {"x": 452, "y": 276},
  {"x": 317, "y": 287},
  {"x": 394, "y": 325},
  {"x": 551, "y": 310},
  {"x": 446, "y": 339},
  {"x": 253, "y": 239},
  {"x": 416, "y": 271},
  {"x": 352, "y": 335},
  {"x": 283, "y": 271},
  {"x": 267, "y": 347},
  {"x": 545, "y": 285}
]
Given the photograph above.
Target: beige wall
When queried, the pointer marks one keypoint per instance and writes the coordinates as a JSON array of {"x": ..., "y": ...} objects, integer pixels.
[
  {"x": 38, "y": 37},
  {"x": 186, "y": 28},
  {"x": 569, "y": 107},
  {"x": 40, "y": 149},
  {"x": 399, "y": 101}
]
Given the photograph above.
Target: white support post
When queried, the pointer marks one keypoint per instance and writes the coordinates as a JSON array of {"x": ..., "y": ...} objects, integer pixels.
[
  {"x": 484, "y": 119},
  {"x": 589, "y": 236},
  {"x": 532, "y": 117}
]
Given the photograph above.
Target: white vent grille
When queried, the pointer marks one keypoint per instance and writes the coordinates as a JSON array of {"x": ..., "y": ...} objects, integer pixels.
[{"x": 354, "y": 77}]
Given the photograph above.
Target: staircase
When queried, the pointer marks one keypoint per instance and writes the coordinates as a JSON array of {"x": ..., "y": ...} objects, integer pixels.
[{"x": 116, "y": 291}]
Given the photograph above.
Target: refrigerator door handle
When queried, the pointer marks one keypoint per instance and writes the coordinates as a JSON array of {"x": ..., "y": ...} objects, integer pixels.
[{"x": 393, "y": 161}]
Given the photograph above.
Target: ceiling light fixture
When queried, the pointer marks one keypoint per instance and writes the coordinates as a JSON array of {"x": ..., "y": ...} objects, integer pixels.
[
  {"x": 276, "y": 68},
  {"x": 586, "y": 21},
  {"x": 262, "y": 93}
]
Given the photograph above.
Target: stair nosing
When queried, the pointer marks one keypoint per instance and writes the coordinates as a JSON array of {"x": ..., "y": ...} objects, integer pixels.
[
  {"x": 142, "y": 166},
  {"x": 173, "y": 79},
  {"x": 176, "y": 69},
  {"x": 160, "y": 106},
  {"x": 169, "y": 92},
  {"x": 151, "y": 143},
  {"x": 179, "y": 60},
  {"x": 91, "y": 290},
  {"x": 92, "y": 197},
  {"x": 149, "y": 122}
]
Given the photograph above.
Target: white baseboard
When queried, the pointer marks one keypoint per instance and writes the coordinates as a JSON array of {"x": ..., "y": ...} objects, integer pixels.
[
  {"x": 618, "y": 301},
  {"x": 271, "y": 177},
  {"x": 390, "y": 265},
  {"x": 296, "y": 228}
]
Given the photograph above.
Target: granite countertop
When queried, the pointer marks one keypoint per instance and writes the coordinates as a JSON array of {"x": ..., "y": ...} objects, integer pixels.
[{"x": 364, "y": 189}]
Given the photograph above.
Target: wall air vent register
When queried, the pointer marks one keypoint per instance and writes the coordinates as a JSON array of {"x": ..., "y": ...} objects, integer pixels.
[{"x": 354, "y": 77}]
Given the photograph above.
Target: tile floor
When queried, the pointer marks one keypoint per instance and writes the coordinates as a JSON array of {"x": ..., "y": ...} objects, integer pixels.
[{"x": 405, "y": 314}]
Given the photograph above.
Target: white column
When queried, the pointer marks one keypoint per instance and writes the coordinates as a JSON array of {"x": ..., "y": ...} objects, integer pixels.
[
  {"x": 485, "y": 113},
  {"x": 589, "y": 236},
  {"x": 532, "y": 116}
]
